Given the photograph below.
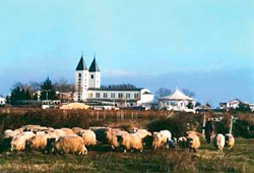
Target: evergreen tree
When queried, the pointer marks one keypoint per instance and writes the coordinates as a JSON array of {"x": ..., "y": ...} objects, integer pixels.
[{"x": 48, "y": 90}]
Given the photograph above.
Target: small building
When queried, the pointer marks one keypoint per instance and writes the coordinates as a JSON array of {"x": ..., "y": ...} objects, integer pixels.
[
  {"x": 2, "y": 101},
  {"x": 233, "y": 104},
  {"x": 177, "y": 101},
  {"x": 65, "y": 96}
]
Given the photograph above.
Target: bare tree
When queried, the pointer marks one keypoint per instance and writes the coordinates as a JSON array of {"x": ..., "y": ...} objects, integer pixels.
[
  {"x": 161, "y": 92},
  {"x": 188, "y": 92}
]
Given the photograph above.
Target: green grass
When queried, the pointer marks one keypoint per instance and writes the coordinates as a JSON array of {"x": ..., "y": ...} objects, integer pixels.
[{"x": 239, "y": 159}]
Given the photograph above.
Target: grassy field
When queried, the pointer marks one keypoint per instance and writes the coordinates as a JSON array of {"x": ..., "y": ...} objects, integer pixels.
[{"x": 239, "y": 159}]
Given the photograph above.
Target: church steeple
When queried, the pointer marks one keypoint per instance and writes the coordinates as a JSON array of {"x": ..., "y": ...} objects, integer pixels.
[
  {"x": 81, "y": 64},
  {"x": 94, "y": 66}
]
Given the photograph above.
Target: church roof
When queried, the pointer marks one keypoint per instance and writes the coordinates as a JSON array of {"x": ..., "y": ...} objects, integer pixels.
[
  {"x": 94, "y": 66},
  {"x": 81, "y": 64},
  {"x": 177, "y": 95},
  {"x": 115, "y": 89}
]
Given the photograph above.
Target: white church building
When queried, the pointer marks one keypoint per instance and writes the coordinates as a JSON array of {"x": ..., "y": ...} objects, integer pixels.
[{"x": 88, "y": 89}]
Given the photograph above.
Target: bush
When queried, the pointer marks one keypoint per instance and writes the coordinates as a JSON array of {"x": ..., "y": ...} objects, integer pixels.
[{"x": 178, "y": 123}]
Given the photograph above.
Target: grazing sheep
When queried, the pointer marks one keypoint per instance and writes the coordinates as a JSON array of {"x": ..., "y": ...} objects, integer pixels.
[
  {"x": 183, "y": 142},
  {"x": 172, "y": 143},
  {"x": 76, "y": 130},
  {"x": 101, "y": 135},
  {"x": 111, "y": 135},
  {"x": 67, "y": 131},
  {"x": 161, "y": 138},
  {"x": 9, "y": 133},
  {"x": 166, "y": 133},
  {"x": 158, "y": 140},
  {"x": 38, "y": 142},
  {"x": 194, "y": 133},
  {"x": 70, "y": 144},
  {"x": 130, "y": 141},
  {"x": 57, "y": 133},
  {"x": 146, "y": 136},
  {"x": 219, "y": 142},
  {"x": 6, "y": 139},
  {"x": 30, "y": 127},
  {"x": 40, "y": 133},
  {"x": 230, "y": 141},
  {"x": 142, "y": 132},
  {"x": 194, "y": 142},
  {"x": 89, "y": 137},
  {"x": 19, "y": 142}
]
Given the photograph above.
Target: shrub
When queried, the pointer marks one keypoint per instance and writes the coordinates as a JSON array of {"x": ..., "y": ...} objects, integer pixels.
[{"x": 178, "y": 123}]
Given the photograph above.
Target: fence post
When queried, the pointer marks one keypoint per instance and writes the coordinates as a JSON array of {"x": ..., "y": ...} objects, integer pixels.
[
  {"x": 231, "y": 125},
  {"x": 122, "y": 116},
  {"x": 204, "y": 122},
  {"x": 98, "y": 115},
  {"x": 8, "y": 110}
]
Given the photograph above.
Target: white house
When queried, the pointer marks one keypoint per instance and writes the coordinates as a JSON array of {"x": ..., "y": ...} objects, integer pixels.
[
  {"x": 88, "y": 89},
  {"x": 177, "y": 101},
  {"x": 234, "y": 104},
  {"x": 2, "y": 101}
]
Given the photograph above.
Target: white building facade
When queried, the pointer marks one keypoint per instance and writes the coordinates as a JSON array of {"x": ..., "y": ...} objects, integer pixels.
[
  {"x": 234, "y": 104},
  {"x": 177, "y": 101},
  {"x": 88, "y": 89},
  {"x": 2, "y": 101}
]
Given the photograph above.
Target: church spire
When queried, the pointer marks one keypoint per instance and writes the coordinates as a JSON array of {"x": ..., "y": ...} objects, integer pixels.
[
  {"x": 81, "y": 64},
  {"x": 94, "y": 66}
]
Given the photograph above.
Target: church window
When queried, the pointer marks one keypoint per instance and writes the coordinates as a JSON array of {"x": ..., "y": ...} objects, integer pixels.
[
  {"x": 136, "y": 95},
  {"x": 105, "y": 95},
  {"x": 128, "y": 95},
  {"x": 98, "y": 95},
  {"x": 91, "y": 76},
  {"x": 79, "y": 75},
  {"x": 91, "y": 95}
]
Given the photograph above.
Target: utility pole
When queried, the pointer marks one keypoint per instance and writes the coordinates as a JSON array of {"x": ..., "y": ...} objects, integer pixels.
[
  {"x": 204, "y": 122},
  {"x": 47, "y": 96},
  {"x": 231, "y": 125}
]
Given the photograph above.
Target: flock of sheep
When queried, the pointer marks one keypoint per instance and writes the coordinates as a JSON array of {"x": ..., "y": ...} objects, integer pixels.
[{"x": 76, "y": 140}]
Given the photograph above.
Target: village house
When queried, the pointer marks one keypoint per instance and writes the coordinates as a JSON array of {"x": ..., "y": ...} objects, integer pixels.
[
  {"x": 88, "y": 89},
  {"x": 177, "y": 101},
  {"x": 2, "y": 101},
  {"x": 234, "y": 104}
]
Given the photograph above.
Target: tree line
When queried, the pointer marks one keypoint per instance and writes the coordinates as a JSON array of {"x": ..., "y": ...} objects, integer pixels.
[{"x": 38, "y": 91}]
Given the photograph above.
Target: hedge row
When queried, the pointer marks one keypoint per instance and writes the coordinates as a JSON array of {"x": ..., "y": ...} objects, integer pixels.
[{"x": 177, "y": 123}]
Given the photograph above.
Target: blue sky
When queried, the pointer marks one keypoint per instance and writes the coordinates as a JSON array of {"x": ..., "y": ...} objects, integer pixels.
[{"x": 206, "y": 46}]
